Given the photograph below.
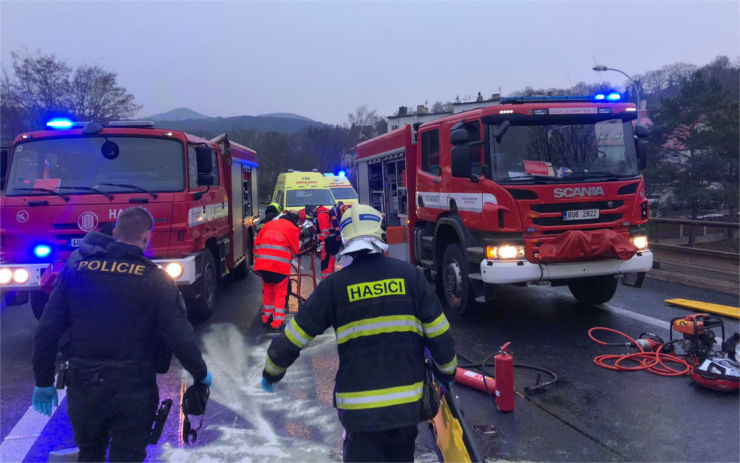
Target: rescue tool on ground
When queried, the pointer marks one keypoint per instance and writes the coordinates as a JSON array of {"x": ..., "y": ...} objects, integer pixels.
[
  {"x": 528, "y": 191},
  {"x": 695, "y": 352},
  {"x": 64, "y": 182}
]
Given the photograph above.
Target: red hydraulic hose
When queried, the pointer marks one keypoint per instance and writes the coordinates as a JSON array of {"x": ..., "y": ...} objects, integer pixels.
[{"x": 654, "y": 362}]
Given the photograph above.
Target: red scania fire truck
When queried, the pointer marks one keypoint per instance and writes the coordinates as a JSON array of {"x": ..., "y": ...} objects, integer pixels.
[
  {"x": 63, "y": 182},
  {"x": 528, "y": 191}
]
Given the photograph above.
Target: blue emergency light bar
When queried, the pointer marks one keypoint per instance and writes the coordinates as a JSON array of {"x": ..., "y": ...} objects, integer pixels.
[
  {"x": 41, "y": 251},
  {"x": 341, "y": 173},
  {"x": 613, "y": 96},
  {"x": 60, "y": 123}
]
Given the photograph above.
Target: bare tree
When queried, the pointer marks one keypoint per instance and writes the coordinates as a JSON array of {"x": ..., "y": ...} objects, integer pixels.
[{"x": 42, "y": 86}]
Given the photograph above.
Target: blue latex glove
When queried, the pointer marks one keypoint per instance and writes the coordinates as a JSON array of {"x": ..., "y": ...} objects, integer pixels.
[
  {"x": 43, "y": 398},
  {"x": 267, "y": 386},
  {"x": 208, "y": 380}
]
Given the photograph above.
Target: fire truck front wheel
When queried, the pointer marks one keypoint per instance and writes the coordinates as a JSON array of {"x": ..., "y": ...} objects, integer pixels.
[
  {"x": 594, "y": 290},
  {"x": 454, "y": 282},
  {"x": 201, "y": 296}
]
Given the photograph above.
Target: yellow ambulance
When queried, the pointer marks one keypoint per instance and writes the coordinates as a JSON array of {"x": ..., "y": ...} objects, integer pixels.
[
  {"x": 341, "y": 189},
  {"x": 295, "y": 189}
]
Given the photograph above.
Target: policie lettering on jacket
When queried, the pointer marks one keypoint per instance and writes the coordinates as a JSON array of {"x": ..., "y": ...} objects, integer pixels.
[{"x": 384, "y": 314}]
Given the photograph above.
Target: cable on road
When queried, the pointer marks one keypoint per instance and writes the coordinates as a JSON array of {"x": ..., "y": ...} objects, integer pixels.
[{"x": 652, "y": 361}]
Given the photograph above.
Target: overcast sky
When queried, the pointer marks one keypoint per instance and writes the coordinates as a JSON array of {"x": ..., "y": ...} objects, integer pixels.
[{"x": 324, "y": 59}]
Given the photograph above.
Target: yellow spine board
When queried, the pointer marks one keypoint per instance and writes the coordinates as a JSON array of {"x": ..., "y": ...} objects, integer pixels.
[
  {"x": 726, "y": 310},
  {"x": 449, "y": 435}
]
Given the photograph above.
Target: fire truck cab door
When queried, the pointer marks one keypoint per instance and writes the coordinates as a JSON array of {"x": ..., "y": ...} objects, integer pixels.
[{"x": 237, "y": 209}]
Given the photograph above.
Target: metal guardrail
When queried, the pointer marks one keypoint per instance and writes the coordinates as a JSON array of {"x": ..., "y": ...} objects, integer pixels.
[{"x": 697, "y": 252}]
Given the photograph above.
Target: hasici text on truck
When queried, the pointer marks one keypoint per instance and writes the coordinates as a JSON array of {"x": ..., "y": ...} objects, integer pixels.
[
  {"x": 529, "y": 191},
  {"x": 63, "y": 183}
]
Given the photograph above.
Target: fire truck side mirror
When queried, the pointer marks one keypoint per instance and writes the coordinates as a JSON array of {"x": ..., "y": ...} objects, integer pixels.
[
  {"x": 458, "y": 136},
  {"x": 641, "y": 131},
  {"x": 461, "y": 161},
  {"x": 204, "y": 158},
  {"x": 641, "y": 155},
  {"x": 205, "y": 179}
]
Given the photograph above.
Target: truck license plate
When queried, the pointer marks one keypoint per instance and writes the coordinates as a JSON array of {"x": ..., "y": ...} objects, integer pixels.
[
  {"x": 75, "y": 242},
  {"x": 581, "y": 214}
]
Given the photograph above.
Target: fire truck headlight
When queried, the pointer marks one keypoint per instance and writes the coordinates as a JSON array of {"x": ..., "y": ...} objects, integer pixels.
[
  {"x": 21, "y": 275},
  {"x": 505, "y": 251},
  {"x": 5, "y": 276},
  {"x": 174, "y": 270},
  {"x": 640, "y": 241}
]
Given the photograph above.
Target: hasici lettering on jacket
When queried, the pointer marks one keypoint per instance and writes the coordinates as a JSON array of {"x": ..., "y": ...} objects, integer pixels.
[{"x": 371, "y": 289}]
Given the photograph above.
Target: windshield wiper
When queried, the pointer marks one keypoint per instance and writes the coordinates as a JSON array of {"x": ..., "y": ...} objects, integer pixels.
[
  {"x": 89, "y": 188},
  {"x": 45, "y": 190},
  {"x": 596, "y": 174},
  {"x": 535, "y": 177},
  {"x": 133, "y": 187}
]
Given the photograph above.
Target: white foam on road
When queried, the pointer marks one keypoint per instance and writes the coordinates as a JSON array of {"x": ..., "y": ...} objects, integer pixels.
[
  {"x": 24, "y": 434},
  {"x": 236, "y": 364}
]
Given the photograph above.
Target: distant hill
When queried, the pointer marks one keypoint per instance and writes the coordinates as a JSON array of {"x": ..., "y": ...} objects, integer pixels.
[
  {"x": 179, "y": 114},
  {"x": 278, "y": 122},
  {"x": 286, "y": 115}
]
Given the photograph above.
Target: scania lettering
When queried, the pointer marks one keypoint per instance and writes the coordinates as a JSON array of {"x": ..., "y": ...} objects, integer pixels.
[
  {"x": 62, "y": 183},
  {"x": 528, "y": 191},
  {"x": 573, "y": 192}
]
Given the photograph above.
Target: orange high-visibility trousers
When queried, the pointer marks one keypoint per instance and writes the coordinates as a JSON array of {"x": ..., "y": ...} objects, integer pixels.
[{"x": 273, "y": 301}]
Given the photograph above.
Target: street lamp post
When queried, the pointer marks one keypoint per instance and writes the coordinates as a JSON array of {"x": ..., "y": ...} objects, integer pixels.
[{"x": 601, "y": 67}]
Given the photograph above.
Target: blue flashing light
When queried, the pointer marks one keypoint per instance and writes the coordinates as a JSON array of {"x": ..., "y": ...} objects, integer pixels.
[
  {"x": 60, "y": 123},
  {"x": 599, "y": 96},
  {"x": 341, "y": 173},
  {"x": 42, "y": 250},
  {"x": 614, "y": 96}
]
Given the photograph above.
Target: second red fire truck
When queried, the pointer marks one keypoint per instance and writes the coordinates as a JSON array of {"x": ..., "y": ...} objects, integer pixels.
[
  {"x": 528, "y": 191},
  {"x": 64, "y": 182}
]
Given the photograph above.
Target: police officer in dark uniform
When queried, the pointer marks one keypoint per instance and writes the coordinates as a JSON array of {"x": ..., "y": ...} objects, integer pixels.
[
  {"x": 385, "y": 314},
  {"x": 114, "y": 303}
]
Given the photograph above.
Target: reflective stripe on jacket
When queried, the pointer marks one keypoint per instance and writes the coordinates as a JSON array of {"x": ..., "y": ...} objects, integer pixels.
[
  {"x": 384, "y": 314},
  {"x": 275, "y": 246}
]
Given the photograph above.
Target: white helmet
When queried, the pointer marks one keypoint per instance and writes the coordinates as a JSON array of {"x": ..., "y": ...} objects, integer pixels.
[{"x": 361, "y": 220}]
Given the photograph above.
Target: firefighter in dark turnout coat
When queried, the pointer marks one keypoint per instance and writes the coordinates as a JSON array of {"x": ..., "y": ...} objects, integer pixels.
[
  {"x": 385, "y": 314},
  {"x": 114, "y": 303}
]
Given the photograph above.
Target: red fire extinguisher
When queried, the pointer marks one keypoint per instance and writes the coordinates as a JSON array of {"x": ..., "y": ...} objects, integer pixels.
[
  {"x": 504, "y": 367},
  {"x": 502, "y": 386}
]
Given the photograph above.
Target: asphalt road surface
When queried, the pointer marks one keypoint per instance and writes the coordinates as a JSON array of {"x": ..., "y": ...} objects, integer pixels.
[{"x": 590, "y": 414}]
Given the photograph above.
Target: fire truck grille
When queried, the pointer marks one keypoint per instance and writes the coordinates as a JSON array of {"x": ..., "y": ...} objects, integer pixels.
[
  {"x": 561, "y": 207},
  {"x": 552, "y": 221}
]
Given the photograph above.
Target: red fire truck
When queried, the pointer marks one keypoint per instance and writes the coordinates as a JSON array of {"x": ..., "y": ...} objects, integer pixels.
[
  {"x": 528, "y": 191},
  {"x": 75, "y": 177}
]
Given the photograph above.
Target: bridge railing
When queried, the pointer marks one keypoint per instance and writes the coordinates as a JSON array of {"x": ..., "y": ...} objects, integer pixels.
[{"x": 700, "y": 251}]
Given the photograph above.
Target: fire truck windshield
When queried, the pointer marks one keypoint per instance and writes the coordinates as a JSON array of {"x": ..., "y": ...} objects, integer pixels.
[
  {"x": 552, "y": 153},
  {"x": 93, "y": 165}
]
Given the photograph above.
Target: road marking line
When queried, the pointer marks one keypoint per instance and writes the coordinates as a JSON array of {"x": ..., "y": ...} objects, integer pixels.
[
  {"x": 24, "y": 434},
  {"x": 634, "y": 315}
]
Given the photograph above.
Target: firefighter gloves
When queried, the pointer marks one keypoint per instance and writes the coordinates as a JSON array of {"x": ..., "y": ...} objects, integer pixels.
[{"x": 267, "y": 386}]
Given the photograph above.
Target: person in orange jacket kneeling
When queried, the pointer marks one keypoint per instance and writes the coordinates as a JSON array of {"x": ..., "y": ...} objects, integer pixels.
[{"x": 276, "y": 244}]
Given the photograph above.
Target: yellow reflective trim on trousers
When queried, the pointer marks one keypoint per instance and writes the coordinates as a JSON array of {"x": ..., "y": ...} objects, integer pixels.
[
  {"x": 437, "y": 327},
  {"x": 379, "y": 325},
  {"x": 449, "y": 367},
  {"x": 271, "y": 368},
  {"x": 378, "y": 398},
  {"x": 296, "y": 335}
]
